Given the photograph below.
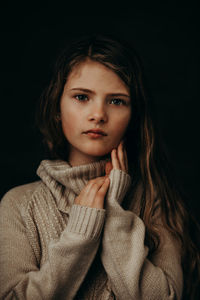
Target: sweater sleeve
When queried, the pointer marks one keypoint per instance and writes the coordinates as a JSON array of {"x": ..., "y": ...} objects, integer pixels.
[
  {"x": 132, "y": 273},
  {"x": 69, "y": 257}
]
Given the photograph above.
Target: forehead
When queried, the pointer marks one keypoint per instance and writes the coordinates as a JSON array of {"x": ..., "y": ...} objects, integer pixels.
[{"x": 92, "y": 74}]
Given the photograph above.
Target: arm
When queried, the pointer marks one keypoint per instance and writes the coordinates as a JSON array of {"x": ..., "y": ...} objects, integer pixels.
[
  {"x": 132, "y": 273},
  {"x": 69, "y": 257}
]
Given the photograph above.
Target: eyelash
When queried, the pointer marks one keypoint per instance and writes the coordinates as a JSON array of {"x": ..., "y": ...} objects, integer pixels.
[
  {"x": 123, "y": 102},
  {"x": 82, "y": 95}
]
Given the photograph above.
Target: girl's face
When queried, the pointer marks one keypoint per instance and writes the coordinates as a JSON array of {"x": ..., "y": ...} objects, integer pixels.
[{"x": 94, "y": 97}]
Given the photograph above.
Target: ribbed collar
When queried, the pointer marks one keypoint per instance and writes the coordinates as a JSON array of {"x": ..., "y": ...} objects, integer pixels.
[{"x": 66, "y": 182}]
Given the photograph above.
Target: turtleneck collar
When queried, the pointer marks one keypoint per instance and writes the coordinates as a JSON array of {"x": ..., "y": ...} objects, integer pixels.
[{"x": 66, "y": 182}]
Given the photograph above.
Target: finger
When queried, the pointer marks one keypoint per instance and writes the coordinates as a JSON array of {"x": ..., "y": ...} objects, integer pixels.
[
  {"x": 104, "y": 187},
  {"x": 97, "y": 194},
  {"x": 88, "y": 197},
  {"x": 121, "y": 157},
  {"x": 93, "y": 191},
  {"x": 102, "y": 191},
  {"x": 126, "y": 160},
  {"x": 99, "y": 181},
  {"x": 115, "y": 161},
  {"x": 108, "y": 167}
]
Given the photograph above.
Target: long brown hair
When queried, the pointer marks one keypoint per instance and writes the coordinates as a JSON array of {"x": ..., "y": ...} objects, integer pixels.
[{"x": 148, "y": 163}]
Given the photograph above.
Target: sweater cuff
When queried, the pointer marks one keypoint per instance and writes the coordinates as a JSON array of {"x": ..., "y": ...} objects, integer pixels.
[
  {"x": 86, "y": 221},
  {"x": 120, "y": 182}
]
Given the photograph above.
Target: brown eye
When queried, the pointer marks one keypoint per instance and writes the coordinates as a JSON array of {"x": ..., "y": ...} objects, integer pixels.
[
  {"x": 81, "y": 97},
  {"x": 118, "y": 102}
]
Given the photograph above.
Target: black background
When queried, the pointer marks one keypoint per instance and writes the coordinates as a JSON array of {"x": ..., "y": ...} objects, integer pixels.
[{"x": 166, "y": 35}]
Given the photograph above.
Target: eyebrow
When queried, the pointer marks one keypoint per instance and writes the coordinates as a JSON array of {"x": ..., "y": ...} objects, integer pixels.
[{"x": 92, "y": 92}]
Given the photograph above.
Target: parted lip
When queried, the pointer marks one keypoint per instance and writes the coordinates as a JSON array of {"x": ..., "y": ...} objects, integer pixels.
[{"x": 99, "y": 131}]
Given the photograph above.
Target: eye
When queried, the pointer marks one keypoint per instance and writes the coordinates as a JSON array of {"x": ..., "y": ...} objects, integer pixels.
[
  {"x": 118, "y": 102},
  {"x": 81, "y": 97}
]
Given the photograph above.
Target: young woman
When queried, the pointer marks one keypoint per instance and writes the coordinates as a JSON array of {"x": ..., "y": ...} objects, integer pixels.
[{"x": 105, "y": 220}]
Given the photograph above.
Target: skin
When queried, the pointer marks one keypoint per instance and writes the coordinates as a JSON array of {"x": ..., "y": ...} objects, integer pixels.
[
  {"x": 95, "y": 97},
  {"x": 94, "y": 192}
]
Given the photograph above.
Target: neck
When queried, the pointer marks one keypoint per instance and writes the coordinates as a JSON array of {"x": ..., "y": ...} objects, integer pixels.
[{"x": 84, "y": 160}]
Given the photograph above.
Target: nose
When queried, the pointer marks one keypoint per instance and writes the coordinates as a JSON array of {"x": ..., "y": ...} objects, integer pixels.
[{"x": 98, "y": 113}]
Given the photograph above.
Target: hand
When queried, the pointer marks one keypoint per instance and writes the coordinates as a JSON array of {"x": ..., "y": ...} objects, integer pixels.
[
  {"x": 119, "y": 159},
  {"x": 94, "y": 192}
]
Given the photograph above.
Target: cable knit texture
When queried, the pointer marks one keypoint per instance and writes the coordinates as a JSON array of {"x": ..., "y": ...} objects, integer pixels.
[{"x": 52, "y": 248}]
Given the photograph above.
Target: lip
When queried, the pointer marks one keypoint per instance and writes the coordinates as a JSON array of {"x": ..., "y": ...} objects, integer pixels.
[{"x": 97, "y": 132}]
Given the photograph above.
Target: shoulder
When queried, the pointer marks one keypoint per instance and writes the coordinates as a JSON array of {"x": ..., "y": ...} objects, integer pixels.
[{"x": 20, "y": 196}]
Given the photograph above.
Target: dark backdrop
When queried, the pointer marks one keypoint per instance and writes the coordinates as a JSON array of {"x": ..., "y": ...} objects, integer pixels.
[{"x": 165, "y": 35}]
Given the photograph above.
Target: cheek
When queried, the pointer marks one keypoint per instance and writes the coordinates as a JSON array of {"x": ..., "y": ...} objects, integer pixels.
[
  {"x": 123, "y": 122},
  {"x": 66, "y": 124},
  {"x": 67, "y": 120}
]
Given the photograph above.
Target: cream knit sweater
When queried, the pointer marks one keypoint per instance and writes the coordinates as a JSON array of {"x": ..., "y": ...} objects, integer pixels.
[{"x": 51, "y": 248}]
